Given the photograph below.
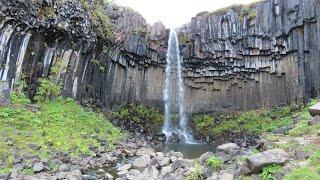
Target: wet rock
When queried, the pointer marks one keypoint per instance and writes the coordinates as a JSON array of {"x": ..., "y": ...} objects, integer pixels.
[
  {"x": 214, "y": 176},
  {"x": 37, "y": 167},
  {"x": 142, "y": 161},
  {"x": 207, "y": 171},
  {"x": 204, "y": 157}
]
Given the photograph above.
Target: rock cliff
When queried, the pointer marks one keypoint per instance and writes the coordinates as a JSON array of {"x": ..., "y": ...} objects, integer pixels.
[
  {"x": 238, "y": 58},
  {"x": 38, "y": 38},
  {"x": 252, "y": 56}
]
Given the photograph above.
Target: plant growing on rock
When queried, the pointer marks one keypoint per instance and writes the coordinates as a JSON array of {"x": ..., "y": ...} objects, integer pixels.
[
  {"x": 214, "y": 162},
  {"x": 46, "y": 90},
  {"x": 268, "y": 172},
  {"x": 197, "y": 174}
]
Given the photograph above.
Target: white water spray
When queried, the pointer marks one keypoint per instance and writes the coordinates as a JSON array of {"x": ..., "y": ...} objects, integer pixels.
[{"x": 174, "y": 75}]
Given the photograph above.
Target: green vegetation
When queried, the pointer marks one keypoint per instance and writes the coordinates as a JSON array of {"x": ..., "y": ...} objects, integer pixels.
[
  {"x": 46, "y": 90},
  {"x": 268, "y": 172},
  {"x": 214, "y": 162},
  {"x": 100, "y": 65},
  {"x": 197, "y": 174},
  {"x": 148, "y": 117},
  {"x": 255, "y": 122},
  {"x": 304, "y": 173},
  {"x": 99, "y": 17},
  {"x": 59, "y": 125}
]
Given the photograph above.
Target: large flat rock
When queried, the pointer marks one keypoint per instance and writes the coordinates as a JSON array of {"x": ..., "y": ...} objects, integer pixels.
[
  {"x": 315, "y": 109},
  {"x": 269, "y": 157}
]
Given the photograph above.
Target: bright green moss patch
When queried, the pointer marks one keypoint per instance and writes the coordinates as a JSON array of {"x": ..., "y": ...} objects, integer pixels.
[
  {"x": 214, "y": 162},
  {"x": 268, "y": 172},
  {"x": 61, "y": 125}
]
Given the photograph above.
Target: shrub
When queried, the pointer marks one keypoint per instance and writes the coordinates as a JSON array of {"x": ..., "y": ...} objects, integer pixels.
[
  {"x": 268, "y": 172},
  {"x": 47, "y": 90},
  {"x": 214, "y": 162},
  {"x": 197, "y": 174}
]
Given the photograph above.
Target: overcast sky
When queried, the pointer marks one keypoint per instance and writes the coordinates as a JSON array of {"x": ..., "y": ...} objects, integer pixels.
[{"x": 174, "y": 13}]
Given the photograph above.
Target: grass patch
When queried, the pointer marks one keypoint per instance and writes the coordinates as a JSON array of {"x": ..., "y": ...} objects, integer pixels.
[
  {"x": 197, "y": 173},
  {"x": 254, "y": 122},
  {"x": 305, "y": 173},
  {"x": 59, "y": 125}
]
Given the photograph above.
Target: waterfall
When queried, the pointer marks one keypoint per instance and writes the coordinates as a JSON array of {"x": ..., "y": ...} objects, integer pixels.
[{"x": 174, "y": 78}]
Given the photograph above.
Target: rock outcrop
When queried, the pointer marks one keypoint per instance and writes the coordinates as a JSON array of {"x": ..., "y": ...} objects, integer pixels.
[{"x": 243, "y": 57}]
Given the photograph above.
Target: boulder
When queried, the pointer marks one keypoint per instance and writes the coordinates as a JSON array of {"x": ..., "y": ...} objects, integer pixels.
[
  {"x": 255, "y": 163},
  {"x": 37, "y": 167},
  {"x": 108, "y": 176},
  {"x": 181, "y": 163},
  {"x": 142, "y": 161},
  {"x": 228, "y": 148},
  {"x": 226, "y": 176},
  {"x": 315, "y": 109},
  {"x": 144, "y": 151},
  {"x": 124, "y": 167},
  {"x": 151, "y": 171},
  {"x": 74, "y": 175},
  {"x": 204, "y": 157},
  {"x": 314, "y": 120}
]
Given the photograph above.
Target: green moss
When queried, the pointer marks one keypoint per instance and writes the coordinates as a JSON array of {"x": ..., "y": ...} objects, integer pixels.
[
  {"x": 98, "y": 15},
  {"x": 214, "y": 162},
  {"x": 60, "y": 125},
  {"x": 148, "y": 117}
]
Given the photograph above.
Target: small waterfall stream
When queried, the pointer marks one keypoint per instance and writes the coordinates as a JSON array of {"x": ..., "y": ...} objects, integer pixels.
[{"x": 174, "y": 94}]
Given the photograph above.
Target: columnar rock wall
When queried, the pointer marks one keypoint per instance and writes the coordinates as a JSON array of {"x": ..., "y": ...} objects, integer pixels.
[
  {"x": 39, "y": 37},
  {"x": 253, "y": 56},
  {"x": 239, "y": 58}
]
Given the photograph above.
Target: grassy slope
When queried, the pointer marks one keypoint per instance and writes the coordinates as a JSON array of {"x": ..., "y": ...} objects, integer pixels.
[{"x": 61, "y": 125}]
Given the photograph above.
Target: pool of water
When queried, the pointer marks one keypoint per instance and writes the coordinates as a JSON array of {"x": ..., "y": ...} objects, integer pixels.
[{"x": 189, "y": 151}]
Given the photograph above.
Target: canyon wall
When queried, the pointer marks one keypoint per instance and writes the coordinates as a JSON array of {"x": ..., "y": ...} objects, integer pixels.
[
  {"x": 239, "y": 58},
  {"x": 252, "y": 56}
]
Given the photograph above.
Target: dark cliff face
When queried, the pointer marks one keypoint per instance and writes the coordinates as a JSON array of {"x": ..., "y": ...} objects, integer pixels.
[
  {"x": 254, "y": 56},
  {"x": 244, "y": 57},
  {"x": 121, "y": 67}
]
